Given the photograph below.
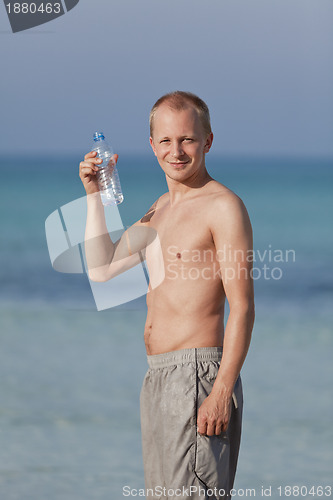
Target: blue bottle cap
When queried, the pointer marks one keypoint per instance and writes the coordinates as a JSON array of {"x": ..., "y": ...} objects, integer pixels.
[{"x": 99, "y": 136}]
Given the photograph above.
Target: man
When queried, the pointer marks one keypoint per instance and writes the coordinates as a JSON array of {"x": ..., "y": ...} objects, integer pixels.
[{"x": 196, "y": 239}]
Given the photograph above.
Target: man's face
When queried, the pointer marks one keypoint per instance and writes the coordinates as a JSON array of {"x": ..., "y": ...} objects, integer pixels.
[{"x": 179, "y": 142}]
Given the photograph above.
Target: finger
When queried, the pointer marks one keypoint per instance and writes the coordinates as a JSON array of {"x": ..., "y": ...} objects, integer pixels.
[
  {"x": 211, "y": 429},
  {"x": 113, "y": 161},
  {"x": 89, "y": 165},
  {"x": 225, "y": 426},
  {"x": 218, "y": 429},
  {"x": 202, "y": 428},
  {"x": 85, "y": 171},
  {"x": 91, "y": 154},
  {"x": 91, "y": 162}
]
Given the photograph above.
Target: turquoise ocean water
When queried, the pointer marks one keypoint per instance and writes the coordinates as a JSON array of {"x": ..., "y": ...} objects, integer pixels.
[{"x": 71, "y": 376}]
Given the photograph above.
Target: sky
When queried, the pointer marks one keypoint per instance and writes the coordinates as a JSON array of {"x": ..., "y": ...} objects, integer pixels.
[{"x": 264, "y": 67}]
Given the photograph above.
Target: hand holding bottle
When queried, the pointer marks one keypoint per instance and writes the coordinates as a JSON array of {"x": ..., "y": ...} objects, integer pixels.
[
  {"x": 88, "y": 171},
  {"x": 100, "y": 172}
]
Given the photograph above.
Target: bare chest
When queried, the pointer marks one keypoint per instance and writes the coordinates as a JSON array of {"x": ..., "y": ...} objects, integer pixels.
[{"x": 183, "y": 233}]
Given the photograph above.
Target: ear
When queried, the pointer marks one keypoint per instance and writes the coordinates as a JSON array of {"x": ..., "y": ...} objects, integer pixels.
[
  {"x": 209, "y": 142},
  {"x": 152, "y": 145}
]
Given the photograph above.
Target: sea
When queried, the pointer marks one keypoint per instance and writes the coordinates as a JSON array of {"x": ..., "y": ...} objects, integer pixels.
[{"x": 71, "y": 374}]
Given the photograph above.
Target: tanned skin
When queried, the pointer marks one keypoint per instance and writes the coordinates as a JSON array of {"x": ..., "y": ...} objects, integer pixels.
[{"x": 195, "y": 239}]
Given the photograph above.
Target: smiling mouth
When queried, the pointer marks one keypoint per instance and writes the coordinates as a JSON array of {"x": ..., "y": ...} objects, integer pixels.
[{"x": 178, "y": 164}]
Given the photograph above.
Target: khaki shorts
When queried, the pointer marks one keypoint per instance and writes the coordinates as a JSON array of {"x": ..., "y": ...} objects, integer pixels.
[{"x": 178, "y": 461}]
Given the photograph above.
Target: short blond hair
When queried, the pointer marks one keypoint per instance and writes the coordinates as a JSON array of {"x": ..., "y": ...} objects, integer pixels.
[{"x": 179, "y": 100}]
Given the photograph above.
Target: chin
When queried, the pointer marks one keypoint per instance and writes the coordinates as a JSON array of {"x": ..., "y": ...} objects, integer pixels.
[{"x": 182, "y": 175}]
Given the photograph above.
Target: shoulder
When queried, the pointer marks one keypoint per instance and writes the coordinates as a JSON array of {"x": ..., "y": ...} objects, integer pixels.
[
  {"x": 223, "y": 200},
  {"x": 227, "y": 210}
]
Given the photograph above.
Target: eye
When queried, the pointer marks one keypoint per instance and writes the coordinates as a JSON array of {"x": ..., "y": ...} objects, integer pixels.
[
  {"x": 164, "y": 140},
  {"x": 188, "y": 139}
]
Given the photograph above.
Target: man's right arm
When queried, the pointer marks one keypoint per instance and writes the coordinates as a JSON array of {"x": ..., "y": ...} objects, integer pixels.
[{"x": 106, "y": 259}]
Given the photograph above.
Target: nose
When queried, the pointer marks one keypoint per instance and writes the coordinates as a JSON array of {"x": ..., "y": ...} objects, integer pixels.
[{"x": 176, "y": 149}]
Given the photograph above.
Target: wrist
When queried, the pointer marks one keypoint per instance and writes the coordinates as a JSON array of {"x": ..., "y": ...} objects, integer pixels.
[
  {"x": 221, "y": 389},
  {"x": 94, "y": 199}
]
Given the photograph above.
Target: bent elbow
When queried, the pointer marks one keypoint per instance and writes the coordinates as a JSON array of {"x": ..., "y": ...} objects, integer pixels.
[{"x": 97, "y": 277}]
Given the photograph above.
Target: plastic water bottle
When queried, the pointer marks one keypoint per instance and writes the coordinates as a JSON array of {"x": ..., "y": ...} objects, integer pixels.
[{"x": 107, "y": 175}]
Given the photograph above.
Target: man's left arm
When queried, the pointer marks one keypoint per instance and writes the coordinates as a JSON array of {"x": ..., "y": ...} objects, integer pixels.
[{"x": 232, "y": 234}]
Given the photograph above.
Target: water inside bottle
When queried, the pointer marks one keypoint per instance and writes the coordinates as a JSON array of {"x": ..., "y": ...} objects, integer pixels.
[{"x": 109, "y": 184}]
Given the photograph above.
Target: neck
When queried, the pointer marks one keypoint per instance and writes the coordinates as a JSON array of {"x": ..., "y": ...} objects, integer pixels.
[{"x": 180, "y": 190}]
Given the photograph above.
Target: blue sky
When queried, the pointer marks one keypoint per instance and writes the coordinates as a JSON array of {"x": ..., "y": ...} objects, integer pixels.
[{"x": 264, "y": 68}]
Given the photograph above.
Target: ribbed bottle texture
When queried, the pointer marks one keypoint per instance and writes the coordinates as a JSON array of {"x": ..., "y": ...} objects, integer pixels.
[{"x": 107, "y": 175}]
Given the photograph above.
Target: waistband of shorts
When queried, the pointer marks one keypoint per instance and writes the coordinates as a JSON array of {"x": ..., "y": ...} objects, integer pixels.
[{"x": 184, "y": 356}]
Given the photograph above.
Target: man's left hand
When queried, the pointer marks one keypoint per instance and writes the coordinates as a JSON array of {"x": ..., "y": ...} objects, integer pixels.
[{"x": 214, "y": 415}]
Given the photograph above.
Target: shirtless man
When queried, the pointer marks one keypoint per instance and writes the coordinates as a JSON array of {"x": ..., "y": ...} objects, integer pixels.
[{"x": 197, "y": 237}]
